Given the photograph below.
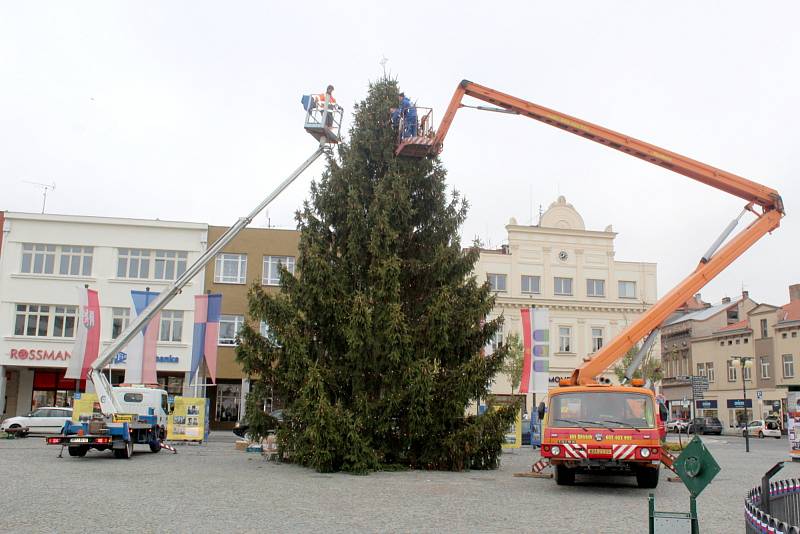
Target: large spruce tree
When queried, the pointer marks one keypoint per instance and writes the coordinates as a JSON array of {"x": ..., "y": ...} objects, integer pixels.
[{"x": 375, "y": 344}]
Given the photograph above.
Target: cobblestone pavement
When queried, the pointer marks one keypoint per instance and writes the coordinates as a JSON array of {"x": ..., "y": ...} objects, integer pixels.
[{"x": 215, "y": 488}]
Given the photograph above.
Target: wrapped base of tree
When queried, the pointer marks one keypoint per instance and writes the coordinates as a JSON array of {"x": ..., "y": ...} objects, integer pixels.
[{"x": 375, "y": 344}]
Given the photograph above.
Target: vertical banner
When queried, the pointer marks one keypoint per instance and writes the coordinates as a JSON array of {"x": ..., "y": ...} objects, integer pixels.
[
  {"x": 141, "y": 365},
  {"x": 87, "y": 336},
  {"x": 525, "y": 381},
  {"x": 205, "y": 338},
  {"x": 541, "y": 349},
  {"x": 793, "y": 423}
]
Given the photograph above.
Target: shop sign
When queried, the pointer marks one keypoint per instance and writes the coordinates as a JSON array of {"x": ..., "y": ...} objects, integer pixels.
[
  {"x": 740, "y": 403},
  {"x": 122, "y": 357},
  {"x": 553, "y": 381},
  {"x": 40, "y": 354},
  {"x": 706, "y": 404}
]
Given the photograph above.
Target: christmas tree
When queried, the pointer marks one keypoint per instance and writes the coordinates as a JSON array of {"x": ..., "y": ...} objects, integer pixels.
[{"x": 375, "y": 345}]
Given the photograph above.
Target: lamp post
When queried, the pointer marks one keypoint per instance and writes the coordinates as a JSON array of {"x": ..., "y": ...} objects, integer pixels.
[{"x": 744, "y": 362}]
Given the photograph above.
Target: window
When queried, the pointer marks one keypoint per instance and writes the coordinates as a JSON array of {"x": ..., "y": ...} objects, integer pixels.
[
  {"x": 230, "y": 269},
  {"x": 75, "y": 261},
  {"x": 721, "y": 343},
  {"x": 497, "y": 340},
  {"x": 788, "y": 365},
  {"x": 133, "y": 397},
  {"x": 764, "y": 366},
  {"x": 133, "y": 263},
  {"x": 710, "y": 371},
  {"x": 731, "y": 371},
  {"x": 64, "y": 321},
  {"x": 228, "y": 400},
  {"x": 171, "y": 325},
  {"x": 783, "y": 335},
  {"x": 31, "y": 320},
  {"x": 169, "y": 264},
  {"x": 747, "y": 373},
  {"x": 701, "y": 369},
  {"x": 597, "y": 339},
  {"x": 564, "y": 339},
  {"x": 229, "y": 326},
  {"x": 120, "y": 317},
  {"x": 595, "y": 288},
  {"x": 530, "y": 284},
  {"x": 764, "y": 332},
  {"x": 746, "y": 340},
  {"x": 38, "y": 258},
  {"x": 562, "y": 286},
  {"x": 37, "y": 320},
  {"x": 794, "y": 334},
  {"x": 497, "y": 282},
  {"x": 272, "y": 269},
  {"x": 627, "y": 290},
  {"x": 266, "y": 333}
]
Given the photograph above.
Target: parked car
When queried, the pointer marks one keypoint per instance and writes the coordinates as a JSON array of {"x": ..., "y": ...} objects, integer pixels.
[
  {"x": 241, "y": 427},
  {"x": 45, "y": 420},
  {"x": 705, "y": 425},
  {"x": 677, "y": 425},
  {"x": 763, "y": 429}
]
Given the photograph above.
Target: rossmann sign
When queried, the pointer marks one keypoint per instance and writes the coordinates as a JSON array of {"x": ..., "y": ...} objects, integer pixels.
[{"x": 40, "y": 354}]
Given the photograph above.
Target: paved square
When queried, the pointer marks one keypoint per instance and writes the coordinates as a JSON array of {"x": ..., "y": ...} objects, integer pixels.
[{"x": 214, "y": 488}]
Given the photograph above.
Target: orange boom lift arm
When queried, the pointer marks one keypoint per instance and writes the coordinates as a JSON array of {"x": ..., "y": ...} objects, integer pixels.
[{"x": 768, "y": 215}]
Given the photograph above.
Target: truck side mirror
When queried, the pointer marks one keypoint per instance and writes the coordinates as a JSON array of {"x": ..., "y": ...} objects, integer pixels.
[{"x": 540, "y": 411}]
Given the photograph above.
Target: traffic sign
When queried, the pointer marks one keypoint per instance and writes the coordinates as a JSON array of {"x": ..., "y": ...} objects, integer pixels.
[{"x": 696, "y": 467}]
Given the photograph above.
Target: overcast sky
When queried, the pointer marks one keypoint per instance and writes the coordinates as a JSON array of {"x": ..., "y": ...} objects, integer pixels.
[{"x": 190, "y": 111}]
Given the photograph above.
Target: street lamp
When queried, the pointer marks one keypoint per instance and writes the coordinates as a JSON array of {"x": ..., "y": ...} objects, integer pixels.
[{"x": 744, "y": 362}]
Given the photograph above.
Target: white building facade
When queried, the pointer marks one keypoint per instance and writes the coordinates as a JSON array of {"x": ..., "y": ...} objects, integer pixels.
[
  {"x": 571, "y": 271},
  {"x": 45, "y": 258}
]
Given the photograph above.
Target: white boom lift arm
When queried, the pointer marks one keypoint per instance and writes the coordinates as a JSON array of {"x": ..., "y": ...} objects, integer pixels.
[{"x": 317, "y": 124}]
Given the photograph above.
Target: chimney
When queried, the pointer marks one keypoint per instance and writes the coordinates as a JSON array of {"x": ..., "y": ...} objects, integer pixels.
[
  {"x": 745, "y": 295},
  {"x": 726, "y": 300},
  {"x": 794, "y": 292}
]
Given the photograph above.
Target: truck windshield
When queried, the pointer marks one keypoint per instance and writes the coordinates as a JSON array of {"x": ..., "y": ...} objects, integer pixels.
[{"x": 604, "y": 409}]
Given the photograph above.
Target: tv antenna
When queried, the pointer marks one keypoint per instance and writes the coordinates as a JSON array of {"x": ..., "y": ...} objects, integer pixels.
[{"x": 45, "y": 189}]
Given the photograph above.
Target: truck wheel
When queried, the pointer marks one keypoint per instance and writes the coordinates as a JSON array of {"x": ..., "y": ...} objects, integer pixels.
[
  {"x": 78, "y": 451},
  {"x": 125, "y": 453},
  {"x": 155, "y": 446},
  {"x": 646, "y": 477},
  {"x": 564, "y": 475}
]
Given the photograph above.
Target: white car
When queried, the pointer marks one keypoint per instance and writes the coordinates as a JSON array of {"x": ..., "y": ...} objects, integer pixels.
[
  {"x": 46, "y": 420},
  {"x": 763, "y": 429}
]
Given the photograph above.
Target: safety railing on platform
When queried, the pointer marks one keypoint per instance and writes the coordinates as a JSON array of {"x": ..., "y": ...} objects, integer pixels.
[
  {"x": 773, "y": 507},
  {"x": 421, "y": 127}
]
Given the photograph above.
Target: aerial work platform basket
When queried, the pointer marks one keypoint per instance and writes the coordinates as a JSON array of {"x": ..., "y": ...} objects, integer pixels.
[
  {"x": 323, "y": 119},
  {"x": 420, "y": 144}
]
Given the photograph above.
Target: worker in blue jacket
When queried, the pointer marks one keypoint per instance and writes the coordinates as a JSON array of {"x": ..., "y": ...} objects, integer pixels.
[{"x": 409, "y": 114}]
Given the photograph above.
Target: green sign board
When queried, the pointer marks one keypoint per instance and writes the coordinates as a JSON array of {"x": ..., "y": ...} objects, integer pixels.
[{"x": 696, "y": 467}]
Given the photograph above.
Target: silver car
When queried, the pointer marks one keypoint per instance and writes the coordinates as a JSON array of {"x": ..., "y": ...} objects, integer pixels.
[{"x": 45, "y": 420}]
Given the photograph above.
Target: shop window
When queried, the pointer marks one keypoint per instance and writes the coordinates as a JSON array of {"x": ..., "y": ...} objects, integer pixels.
[
  {"x": 172, "y": 384},
  {"x": 171, "y": 325},
  {"x": 228, "y": 400},
  {"x": 271, "y": 274},
  {"x": 530, "y": 284}
]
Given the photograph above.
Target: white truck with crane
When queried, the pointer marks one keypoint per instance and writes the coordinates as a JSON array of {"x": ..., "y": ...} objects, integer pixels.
[{"x": 137, "y": 414}]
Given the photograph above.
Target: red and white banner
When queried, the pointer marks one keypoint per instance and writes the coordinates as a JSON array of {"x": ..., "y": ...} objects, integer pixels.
[
  {"x": 141, "y": 351},
  {"x": 527, "y": 344},
  {"x": 87, "y": 335}
]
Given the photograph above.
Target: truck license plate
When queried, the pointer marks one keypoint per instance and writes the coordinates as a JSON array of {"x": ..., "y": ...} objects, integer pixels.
[{"x": 79, "y": 440}]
